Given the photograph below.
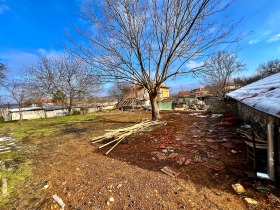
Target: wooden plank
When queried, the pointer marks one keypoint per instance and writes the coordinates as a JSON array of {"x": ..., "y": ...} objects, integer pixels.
[{"x": 170, "y": 172}]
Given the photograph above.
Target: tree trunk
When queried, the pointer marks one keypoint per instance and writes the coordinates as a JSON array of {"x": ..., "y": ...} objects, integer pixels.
[
  {"x": 69, "y": 108},
  {"x": 20, "y": 114},
  {"x": 154, "y": 106}
]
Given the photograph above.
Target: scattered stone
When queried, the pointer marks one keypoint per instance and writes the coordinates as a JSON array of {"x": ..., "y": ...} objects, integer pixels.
[
  {"x": 173, "y": 155},
  {"x": 59, "y": 201},
  {"x": 238, "y": 188},
  {"x": 251, "y": 201},
  {"x": 216, "y": 115},
  {"x": 188, "y": 161},
  {"x": 180, "y": 160},
  {"x": 214, "y": 167},
  {"x": 110, "y": 200},
  {"x": 46, "y": 186},
  {"x": 162, "y": 146},
  {"x": 199, "y": 158},
  {"x": 201, "y": 116},
  {"x": 216, "y": 141},
  {"x": 212, "y": 155},
  {"x": 159, "y": 155},
  {"x": 164, "y": 150}
]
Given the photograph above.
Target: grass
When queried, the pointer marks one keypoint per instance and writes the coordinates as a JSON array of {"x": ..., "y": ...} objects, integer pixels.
[
  {"x": 43, "y": 127},
  {"x": 21, "y": 166},
  {"x": 15, "y": 178}
]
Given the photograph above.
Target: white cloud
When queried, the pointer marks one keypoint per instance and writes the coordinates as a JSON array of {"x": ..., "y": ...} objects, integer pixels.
[
  {"x": 18, "y": 60},
  {"x": 49, "y": 53},
  {"x": 183, "y": 84},
  {"x": 193, "y": 64},
  {"x": 274, "y": 38},
  {"x": 268, "y": 32},
  {"x": 4, "y": 8},
  {"x": 274, "y": 18},
  {"x": 254, "y": 41}
]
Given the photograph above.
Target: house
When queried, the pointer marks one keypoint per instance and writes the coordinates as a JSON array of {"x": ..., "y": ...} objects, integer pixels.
[
  {"x": 163, "y": 93},
  {"x": 45, "y": 102},
  {"x": 184, "y": 97},
  {"x": 140, "y": 93},
  {"x": 258, "y": 105},
  {"x": 200, "y": 92},
  {"x": 184, "y": 93},
  {"x": 232, "y": 86},
  {"x": 138, "y": 97}
]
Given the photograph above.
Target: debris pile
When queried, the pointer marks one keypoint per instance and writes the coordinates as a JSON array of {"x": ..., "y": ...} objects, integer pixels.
[
  {"x": 248, "y": 135},
  {"x": 117, "y": 136},
  {"x": 8, "y": 144}
]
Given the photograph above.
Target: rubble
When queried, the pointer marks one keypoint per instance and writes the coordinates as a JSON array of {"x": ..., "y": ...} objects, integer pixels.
[
  {"x": 239, "y": 189},
  {"x": 251, "y": 201},
  {"x": 59, "y": 201}
]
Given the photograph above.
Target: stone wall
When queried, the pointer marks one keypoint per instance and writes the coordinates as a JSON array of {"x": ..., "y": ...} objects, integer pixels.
[{"x": 256, "y": 119}]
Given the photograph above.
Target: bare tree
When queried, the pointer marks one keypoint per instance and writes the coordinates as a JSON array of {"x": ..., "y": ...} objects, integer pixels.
[
  {"x": 120, "y": 91},
  {"x": 146, "y": 42},
  {"x": 269, "y": 68},
  {"x": 218, "y": 71},
  {"x": 66, "y": 75},
  {"x": 3, "y": 71},
  {"x": 247, "y": 80},
  {"x": 17, "y": 90}
]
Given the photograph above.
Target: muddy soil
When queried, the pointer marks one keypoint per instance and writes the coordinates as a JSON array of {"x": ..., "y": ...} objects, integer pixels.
[{"x": 206, "y": 156}]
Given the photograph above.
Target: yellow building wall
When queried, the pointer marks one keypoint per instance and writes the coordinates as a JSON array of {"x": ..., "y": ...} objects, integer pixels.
[{"x": 163, "y": 93}]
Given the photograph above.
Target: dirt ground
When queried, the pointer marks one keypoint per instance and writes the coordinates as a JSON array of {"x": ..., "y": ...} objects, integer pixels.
[{"x": 207, "y": 155}]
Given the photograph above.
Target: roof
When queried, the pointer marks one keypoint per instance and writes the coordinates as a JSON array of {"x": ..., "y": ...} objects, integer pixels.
[
  {"x": 199, "y": 89},
  {"x": 263, "y": 95},
  {"x": 25, "y": 109},
  {"x": 230, "y": 84},
  {"x": 184, "y": 92},
  {"x": 164, "y": 87}
]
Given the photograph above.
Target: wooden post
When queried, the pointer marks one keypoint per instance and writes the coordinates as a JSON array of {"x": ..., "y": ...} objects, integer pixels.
[
  {"x": 4, "y": 179},
  {"x": 270, "y": 149}
]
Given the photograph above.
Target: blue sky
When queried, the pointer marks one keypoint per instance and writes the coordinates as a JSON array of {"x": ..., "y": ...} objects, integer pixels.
[{"x": 33, "y": 27}]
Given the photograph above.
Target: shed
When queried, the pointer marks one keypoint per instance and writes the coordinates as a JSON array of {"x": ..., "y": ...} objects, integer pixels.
[
  {"x": 168, "y": 105},
  {"x": 258, "y": 105}
]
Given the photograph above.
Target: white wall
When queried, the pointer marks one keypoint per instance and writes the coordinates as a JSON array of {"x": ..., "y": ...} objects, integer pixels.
[{"x": 27, "y": 115}]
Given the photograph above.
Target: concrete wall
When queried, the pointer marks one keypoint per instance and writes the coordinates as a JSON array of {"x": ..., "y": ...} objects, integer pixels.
[
  {"x": 42, "y": 113},
  {"x": 56, "y": 113},
  {"x": 28, "y": 115}
]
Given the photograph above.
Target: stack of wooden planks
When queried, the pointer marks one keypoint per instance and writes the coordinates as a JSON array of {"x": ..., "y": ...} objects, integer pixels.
[{"x": 116, "y": 136}]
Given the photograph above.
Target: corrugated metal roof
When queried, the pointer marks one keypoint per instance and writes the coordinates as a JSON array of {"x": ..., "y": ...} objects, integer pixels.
[{"x": 263, "y": 95}]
